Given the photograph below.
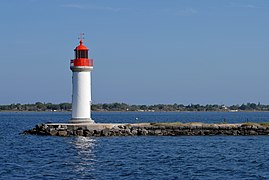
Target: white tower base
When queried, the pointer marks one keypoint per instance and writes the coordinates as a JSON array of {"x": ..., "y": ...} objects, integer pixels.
[
  {"x": 81, "y": 97},
  {"x": 90, "y": 121}
]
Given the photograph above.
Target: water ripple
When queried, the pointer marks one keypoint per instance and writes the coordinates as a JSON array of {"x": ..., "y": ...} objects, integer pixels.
[{"x": 44, "y": 157}]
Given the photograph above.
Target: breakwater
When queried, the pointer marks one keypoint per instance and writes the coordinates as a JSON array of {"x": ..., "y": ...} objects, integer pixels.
[{"x": 149, "y": 129}]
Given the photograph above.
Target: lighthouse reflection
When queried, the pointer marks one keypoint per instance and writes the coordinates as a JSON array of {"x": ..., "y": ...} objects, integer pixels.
[
  {"x": 85, "y": 157},
  {"x": 84, "y": 144}
]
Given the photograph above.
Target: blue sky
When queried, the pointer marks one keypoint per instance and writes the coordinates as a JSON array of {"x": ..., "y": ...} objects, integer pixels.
[{"x": 145, "y": 51}]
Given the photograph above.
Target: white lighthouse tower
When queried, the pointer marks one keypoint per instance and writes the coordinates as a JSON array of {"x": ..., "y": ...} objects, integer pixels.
[{"x": 81, "y": 67}]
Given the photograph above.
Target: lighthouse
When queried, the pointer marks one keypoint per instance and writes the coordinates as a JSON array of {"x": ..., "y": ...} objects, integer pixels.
[{"x": 81, "y": 68}]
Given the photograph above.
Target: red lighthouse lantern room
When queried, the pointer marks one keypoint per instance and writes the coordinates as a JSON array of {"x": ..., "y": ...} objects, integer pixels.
[{"x": 81, "y": 56}]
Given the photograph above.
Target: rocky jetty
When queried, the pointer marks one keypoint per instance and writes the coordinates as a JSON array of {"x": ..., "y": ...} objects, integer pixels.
[{"x": 150, "y": 129}]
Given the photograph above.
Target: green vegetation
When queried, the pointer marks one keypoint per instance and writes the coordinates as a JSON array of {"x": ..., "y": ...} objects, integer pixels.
[
  {"x": 39, "y": 106},
  {"x": 199, "y": 123},
  {"x": 264, "y": 123},
  {"x": 255, "y": 124},
  {"x": 195, "y": 123},
  {"x": 250, "y": 124}
]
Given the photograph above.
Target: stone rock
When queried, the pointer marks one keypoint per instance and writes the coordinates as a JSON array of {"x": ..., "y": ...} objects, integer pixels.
[
  {"x": 53, "y": 132},
  {"x": 144, "y": 132},
  {"x": 96, "y": 133},
  {"x": 88, "y": 133},
  {"x": 147, "y": 129},
  {"x": 73, "y": 128},
  {"x": 150, "y": 132},
  {"x": 45, "y": 126},
  {"x": 105, "y": 132},
  {"x": 79, "y": 132},
  {"x": 134, "y": 132},
  {"x": 251, "y": 132},
  {"x": 62, "y": 133},
  {"x": 128, "y": 131},
  {"x": 70, "y": 132},
  {"x": 64, "y": 126}
]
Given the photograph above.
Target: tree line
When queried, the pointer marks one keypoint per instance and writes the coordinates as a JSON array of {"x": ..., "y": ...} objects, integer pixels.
[{"x": 39, "y": 106}]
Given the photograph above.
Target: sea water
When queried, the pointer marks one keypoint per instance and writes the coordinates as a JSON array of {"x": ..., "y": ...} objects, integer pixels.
[{"x": 143, "y": 157}]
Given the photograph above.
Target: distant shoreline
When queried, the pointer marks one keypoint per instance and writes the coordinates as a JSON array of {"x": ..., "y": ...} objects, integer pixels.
[
  {"x": 123, "y": 107},
  {"x": 138, "y": 111}
]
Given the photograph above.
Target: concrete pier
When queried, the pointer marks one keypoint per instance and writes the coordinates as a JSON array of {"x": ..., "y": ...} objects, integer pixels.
[{"x": 149, "y": 129}]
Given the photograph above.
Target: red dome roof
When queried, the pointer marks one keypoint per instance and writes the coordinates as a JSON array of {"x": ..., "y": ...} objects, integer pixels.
[{"x": 81, "y": 46}]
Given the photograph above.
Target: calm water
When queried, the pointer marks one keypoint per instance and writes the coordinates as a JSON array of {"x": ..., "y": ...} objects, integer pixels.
[{"x": 217, "y": 157}]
